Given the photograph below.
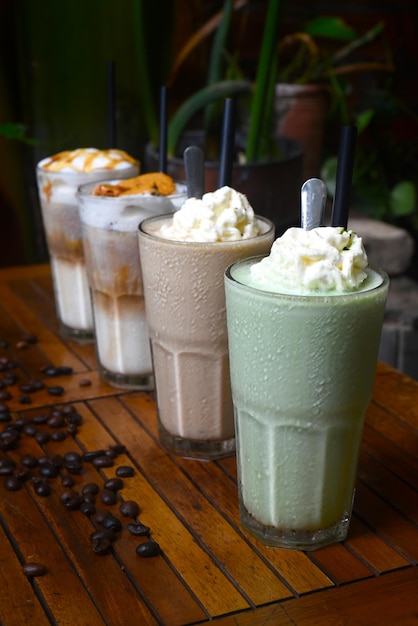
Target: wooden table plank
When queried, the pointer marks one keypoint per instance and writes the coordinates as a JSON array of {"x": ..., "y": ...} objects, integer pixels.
[{"x": 366, "y": 603}]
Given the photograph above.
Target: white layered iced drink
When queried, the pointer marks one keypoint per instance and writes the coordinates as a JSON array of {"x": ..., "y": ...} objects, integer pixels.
[
  {"x": 110, "y": 213},
  {"x": 58, "y": 177},
  {"x": 183, "y": 259},
  {"x": 304, "y": 325}
]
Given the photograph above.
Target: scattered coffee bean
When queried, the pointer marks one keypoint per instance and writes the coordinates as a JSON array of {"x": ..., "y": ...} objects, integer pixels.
[
  {"x": 113, "y": 484},
  {"x": 31, "y": 386},
  {"x": 91, "y": 489},
  {"x": 25, "y": 399},
  {"x": 5, "y": 417},
  {"x": 92, "y": 454},
  {"x": 84, "y": 382},
  {"x": 22, "y": 345},
  {"x": 125, "y": 471},
  {"x": 29, "y": 460},
  {"x": 103, "y": 461},
  {"x": 48, "y": 471},
  {"x": 34, "y": 569},
  {"x": 74, "y": 503},
  {"x": 68, "y": 495},
  {"x": 111, "y": 454},
  {"x": 119, "y": 448},
  {"x": 138, "y": 529},
  {"x": 72, "y": 457},
  {"x": 67, "y": 481},
  {"x": 67, "y": 409},
  {"x": 42, "y": 437},
  {"x": 42, "y": 488},
  {"x": 29, "y": 338},
  {"x": 148, "y": 548},
  {"x": 30, "y": 429},
  {"x": 56, "y": 390},
  {"x": 7, "y": 470},
  {"x": 101, "y": 546},
  {"x": 88, "y": 508},
  {"x": 56, "y": 421},
  {"x": 108, "y": 497},
  {"x": 41, "y": 418},
  {"x": 5, "y": 395},
  {"x": 12, "y": 483},
  {"x": 129, "y": 508},
  {"x": 111, "y": 522},
  {"x": 9, "y": 440},
  {"x": 59, "y": 435},
  {"x": 72, "y": 430},
  {"x": 74, "y": 418},
  {"x": 6, "y": 462}
]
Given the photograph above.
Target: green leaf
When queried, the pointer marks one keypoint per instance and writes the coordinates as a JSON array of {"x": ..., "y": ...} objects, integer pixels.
[
  {"x": 330, "y": 27},
  {"x": 364, "y": 119},
  {"x": 199, "y": 100},
  {"x": 403, "y": 198}
]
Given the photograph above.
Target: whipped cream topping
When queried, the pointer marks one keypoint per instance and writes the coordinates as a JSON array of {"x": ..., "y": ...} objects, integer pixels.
[
  {"x": 222, "y": 215},
  {"x": 324, "y": 259},
  {"x": 87, "y": 160}
]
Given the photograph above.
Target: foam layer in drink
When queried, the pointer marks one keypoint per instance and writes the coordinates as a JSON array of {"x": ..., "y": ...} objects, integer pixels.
[{"x": 311, "y": 362}]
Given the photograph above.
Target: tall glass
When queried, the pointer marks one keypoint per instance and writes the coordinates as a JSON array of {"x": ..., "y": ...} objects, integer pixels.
[
  {"x": 302, "y": 373},
  {"x": 57, "y": 194},
  {"x": 185, "y": 304},
  {"x": 110, "y": 227}
]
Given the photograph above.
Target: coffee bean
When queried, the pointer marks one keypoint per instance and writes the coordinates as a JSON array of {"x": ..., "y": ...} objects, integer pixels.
[
  {"x": 56, "y": 390},
  {"x": 119, "y": 448},
  {"x": 29, "y": 338},
  {"x": 103, "y": 461},
  {"x": 129, "y": 508},
  {"x": 59, "y": 435},
  {"x": 42, "y": 437},
  {"x": 68, "y": 495},
  {"x": 67, "y": 409},
  {"x": 56, "y": 421},
  {"x": 22, "y": 345},
  {"x": 112, "y": 522},
  {"x": 6, "y": 462},
  {"x": 42, "y": 488},
  {"x": 125, "y": 471},
  {"x": 48, "y": 471},
  {"x": 88, "y": 508},
  {"x": 84, "y": 382},
  {"x": 41, "y": 418},
  {"x": 92, "y": 454},
  {"x": 30, "y": 430},
  {"x": 74, "y": 503},
  {"x": 111, "y": 454},
  {"x": 91, "y": 489},
  {"x": 7, "y": 470},
  {"x": 49, "y": 370},
  {"x": 34, "y": 569},
  {"x": 72, "y": 430},
  {"x": 5, "y": 416},
  {"x": 148, "y": 548},
  {"x": 63, "y": 370},
  {"x": 5, "y": 395},
  {"x": 12, "y": 483},
  {"x": 9, "y": 440},
  {"x": 29, "y": 460},
  {"x": 72, "y": 457},
  {"x": 101, "y": 546},
  {"x": 108, "y": 497},
  {"x": 138, "y": 529},
  {"x": 114, "y": 484},
  {"x": 67, "y": 481},
  {"x": 74, "y": 418},
  {"x": 25, "y": 399}
]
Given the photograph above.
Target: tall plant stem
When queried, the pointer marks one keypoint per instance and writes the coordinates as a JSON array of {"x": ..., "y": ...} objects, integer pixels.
[{"x": 264, "y": 69}]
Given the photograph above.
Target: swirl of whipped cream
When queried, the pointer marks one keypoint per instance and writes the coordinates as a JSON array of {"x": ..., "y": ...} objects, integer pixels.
[
  {"x": 323, "y": 259},
  {"x": 87, "y": 160},
  {"x": 222, "y": 215}
]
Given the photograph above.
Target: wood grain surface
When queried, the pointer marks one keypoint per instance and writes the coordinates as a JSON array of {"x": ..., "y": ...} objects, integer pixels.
[{"x": 209, "y": 568}]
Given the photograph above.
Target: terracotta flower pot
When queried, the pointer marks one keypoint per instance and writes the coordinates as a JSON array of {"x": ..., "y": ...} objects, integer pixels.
[
  {"x": 301, "y": 112},
  {"x": 273, "y": 187}
]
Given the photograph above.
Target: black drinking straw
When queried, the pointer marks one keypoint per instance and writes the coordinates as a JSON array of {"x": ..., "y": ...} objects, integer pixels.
[
  {"x": 162, "y": 149},
  {"x": 111, "y": 104},
  {"x": 345, "y": 166},
  {"x": 227, "y": 144}
]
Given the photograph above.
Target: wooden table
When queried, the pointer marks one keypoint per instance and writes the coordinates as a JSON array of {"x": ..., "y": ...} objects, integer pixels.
[{"x": 209, "y": 567}]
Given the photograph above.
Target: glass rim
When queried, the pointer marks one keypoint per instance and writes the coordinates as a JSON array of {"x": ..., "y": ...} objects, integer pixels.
[
  {"x": 177, "y": 242},
  {"x": 312, "y": 297}
]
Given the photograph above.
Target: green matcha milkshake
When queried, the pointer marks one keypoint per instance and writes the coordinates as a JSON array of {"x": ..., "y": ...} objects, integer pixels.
[{"x": 303, "y": 328}]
